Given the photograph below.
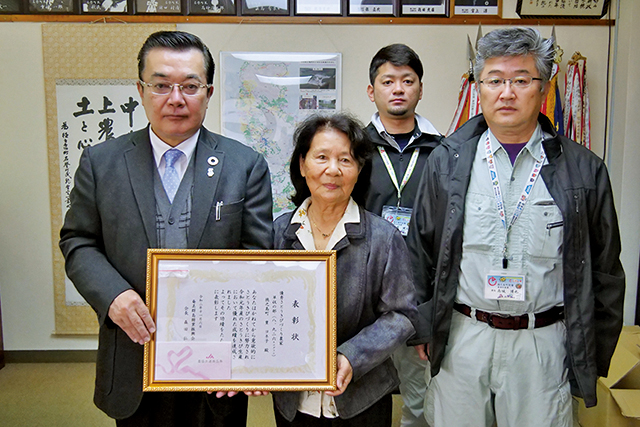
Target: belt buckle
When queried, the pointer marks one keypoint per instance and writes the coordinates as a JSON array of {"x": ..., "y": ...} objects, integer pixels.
[{"x": 490, "y": 317}]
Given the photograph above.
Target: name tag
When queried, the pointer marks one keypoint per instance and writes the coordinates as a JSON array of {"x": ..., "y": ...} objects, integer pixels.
[
  {"x": 398, "y": 216},
  {"x": 504, "y": 287}
]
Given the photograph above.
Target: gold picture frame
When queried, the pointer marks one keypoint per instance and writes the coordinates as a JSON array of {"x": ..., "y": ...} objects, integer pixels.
[{"x": 241, "y": 320}]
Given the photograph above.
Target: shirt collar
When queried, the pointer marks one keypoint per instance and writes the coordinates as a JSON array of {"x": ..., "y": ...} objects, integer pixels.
[
  {"x": 159, "y": 147},
  {"x": 424, "y": 125},
  {"x": 304, "y": 233},
  {"x": 533, "y": 146}
]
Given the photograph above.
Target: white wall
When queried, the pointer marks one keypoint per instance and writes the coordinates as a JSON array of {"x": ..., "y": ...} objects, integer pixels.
[
  {"x": 625, "y": 145},
  {"x": 26, "y": 288}
]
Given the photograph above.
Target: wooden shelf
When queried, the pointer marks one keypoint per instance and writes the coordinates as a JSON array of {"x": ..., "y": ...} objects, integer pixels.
[{"x": 330, "y": 20}]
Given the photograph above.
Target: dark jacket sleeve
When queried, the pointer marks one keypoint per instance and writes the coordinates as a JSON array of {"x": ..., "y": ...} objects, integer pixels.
[
  {"x": 82, "y": 245},
  {"x": 423, "y": 240},
  {"x": 393, "y": 308},
  {"x": 607, "y": 273}
]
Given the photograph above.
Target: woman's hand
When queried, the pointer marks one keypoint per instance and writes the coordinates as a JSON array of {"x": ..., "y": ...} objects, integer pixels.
[{"x": 345, "y": 373}]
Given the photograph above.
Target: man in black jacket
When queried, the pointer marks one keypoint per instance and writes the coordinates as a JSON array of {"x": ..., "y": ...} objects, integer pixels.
[
  {"x": 403, "y": 140},
  {"x": 520, "y": 277}
]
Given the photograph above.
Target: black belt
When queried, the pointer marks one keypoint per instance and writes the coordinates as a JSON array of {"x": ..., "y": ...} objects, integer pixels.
[{"x": 502, "y": 321}]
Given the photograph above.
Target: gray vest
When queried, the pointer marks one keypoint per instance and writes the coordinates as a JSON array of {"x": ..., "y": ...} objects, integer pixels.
[{"x": 173, "y": 219}]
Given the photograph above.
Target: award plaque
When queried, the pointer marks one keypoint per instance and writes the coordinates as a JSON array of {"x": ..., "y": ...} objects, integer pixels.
[{"x": 239, "y": 320}]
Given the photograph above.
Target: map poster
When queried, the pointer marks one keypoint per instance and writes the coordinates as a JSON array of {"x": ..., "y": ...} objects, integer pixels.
[
  {"x": 265, "y": 95},
  {"x": 241, "y": 320}
]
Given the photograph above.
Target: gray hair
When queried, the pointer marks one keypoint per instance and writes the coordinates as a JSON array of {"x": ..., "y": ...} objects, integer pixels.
[{"x": 516, "y": 41}]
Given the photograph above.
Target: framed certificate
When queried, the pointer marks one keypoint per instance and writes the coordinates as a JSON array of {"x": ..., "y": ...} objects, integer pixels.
[
  {"x": 425, "y": 7},
  {"x": 265, "y": 7},
  {"x": 10, "y": 6},
  {"x": 318, "y": 7},
  {"x": 371, "y": 7},
  {"x": 158, "y": 7},
  {"x": 51, "y": 6},
  {"x": 477, "y": 7},
  {"x": 562, "y": 9},
  {"x": 241, "y": 320},
  {"x": 211, "y": 7},
  {"x": 104, "y": 6}
]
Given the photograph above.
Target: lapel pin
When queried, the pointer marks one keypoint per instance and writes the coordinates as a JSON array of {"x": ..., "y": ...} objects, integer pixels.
[
  {"x": 210, "y": 172},
  {"x": 213, "y": 160}
]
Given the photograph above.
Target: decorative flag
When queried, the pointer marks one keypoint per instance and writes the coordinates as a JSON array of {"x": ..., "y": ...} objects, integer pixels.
[
  {"x": 552, "y": 105},
  {"x": 468, "y": 103},
  {"x": 577, "y": 120},
  {"x": 468, "y": 100}
]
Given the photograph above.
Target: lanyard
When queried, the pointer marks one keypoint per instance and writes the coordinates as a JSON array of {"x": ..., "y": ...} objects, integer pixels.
[
  {"x": 392, "y": 172},
  {"x": 535, "y": 172}
]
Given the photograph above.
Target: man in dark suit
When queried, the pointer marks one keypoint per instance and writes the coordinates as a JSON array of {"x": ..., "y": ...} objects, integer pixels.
[{"x": 171, "y": 185}]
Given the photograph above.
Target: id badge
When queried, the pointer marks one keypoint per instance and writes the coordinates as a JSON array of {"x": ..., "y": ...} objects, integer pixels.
[
  {"x": 398, "y": 216},
  {"x": 500, "y": 286}
]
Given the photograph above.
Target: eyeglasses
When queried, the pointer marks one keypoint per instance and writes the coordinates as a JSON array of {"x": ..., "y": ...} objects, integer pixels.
[
  {"x": 519, "y": 82},
  {"x": 189, "y": 89}
]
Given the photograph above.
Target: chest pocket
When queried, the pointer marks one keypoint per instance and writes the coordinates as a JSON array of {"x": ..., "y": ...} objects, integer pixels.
[
  {"x": 483, "y": 228},
  {"x": 546, "y": 229}
]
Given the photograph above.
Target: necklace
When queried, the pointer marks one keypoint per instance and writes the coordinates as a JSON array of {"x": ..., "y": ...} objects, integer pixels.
[{"x": 324, "y": 235}]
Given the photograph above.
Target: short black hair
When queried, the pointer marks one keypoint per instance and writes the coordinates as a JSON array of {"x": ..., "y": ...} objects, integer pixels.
[
  {"x": 176, "y": 40},
  {"x": 361, "y": 150},
  {"x": 399, "y": 55}
]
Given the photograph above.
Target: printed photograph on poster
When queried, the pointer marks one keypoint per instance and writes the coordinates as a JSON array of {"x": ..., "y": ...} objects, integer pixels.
[
  {"x": 318, "y": 78},
  {"x": 104, "y": 6},
  {"x": 371, "y": 7},
  {"x": 476, "y": 7},
  {"x": 241, "y": 320},
  {"x": 51, "y": 6},
  {"x": 211, "y": 7},
  {"x": 318, "y": 7},
  {"x": 158, "y": 6},
  {"x": 562, "y": 8},
  {"x": 265, "y": 7},
  {"x": 264, "y": 95},
  {"x": 425, "y": 7},
  {"x": 10, "y": 6}
]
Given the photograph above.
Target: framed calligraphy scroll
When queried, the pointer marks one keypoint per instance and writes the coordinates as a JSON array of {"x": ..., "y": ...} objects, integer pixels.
[
  {"x": 241, "y": 320},
  {"x": 90, "y": 72}
]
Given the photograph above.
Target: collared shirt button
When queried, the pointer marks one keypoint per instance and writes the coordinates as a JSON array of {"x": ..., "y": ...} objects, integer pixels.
[{"x": 456, "y": 155}]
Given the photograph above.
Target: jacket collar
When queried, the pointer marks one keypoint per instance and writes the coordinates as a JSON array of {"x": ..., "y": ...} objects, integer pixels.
[
  {"x": 140, "y": 163},
  {"x": 208, "y": 165},
  {"x": 473, "y": 128},
  {"x": 355, "y": 231}
]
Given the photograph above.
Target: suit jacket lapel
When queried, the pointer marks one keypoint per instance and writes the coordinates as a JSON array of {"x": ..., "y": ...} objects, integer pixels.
[
  {"x": 140, "y": 163},
  {"x": 207, "y": 160}
]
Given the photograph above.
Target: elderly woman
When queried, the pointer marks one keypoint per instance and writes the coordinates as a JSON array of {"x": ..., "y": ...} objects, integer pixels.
[{"x": 330, "y": 171}]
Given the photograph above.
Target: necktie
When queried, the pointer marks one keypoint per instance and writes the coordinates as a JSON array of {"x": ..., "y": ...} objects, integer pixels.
[{"x": 170, "y": 178}]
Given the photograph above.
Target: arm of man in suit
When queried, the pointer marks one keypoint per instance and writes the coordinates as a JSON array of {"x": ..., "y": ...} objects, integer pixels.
[
  {"x": 88, "y": 267},
  {"x": 257, "y": 215}
]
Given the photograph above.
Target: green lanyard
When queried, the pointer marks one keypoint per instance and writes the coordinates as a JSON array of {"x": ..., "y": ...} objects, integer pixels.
[{"x": 392, "y": 172}]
